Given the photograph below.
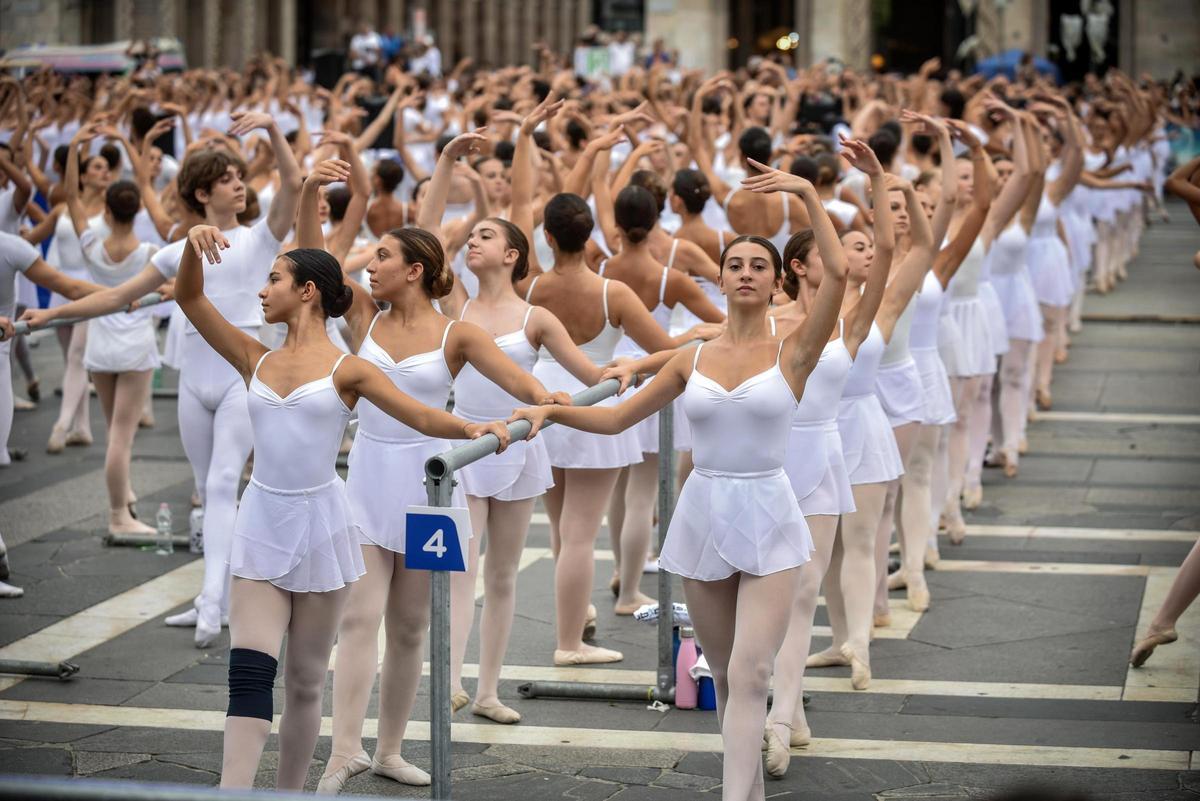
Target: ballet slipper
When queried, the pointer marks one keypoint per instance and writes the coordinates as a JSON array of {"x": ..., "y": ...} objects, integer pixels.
[
  {"x": 860, "y": 671},
  {"x": 1145, "y": 646},
  {"x": 956, "y": 527},
  {"x": 58, "y": 440},
  {"x": 78, "y": 438},
  {"x": 896, "y": 581},
  {"x": 9, "y": 591},
  {"x": 932, "y": 558},
  {"x": 801, "y": 737},
  {"x": 187, "y": 620},
  {"x": 589, "y": 624},
  {"x": 332, "y": 783},
  {"x": 22, "y": 405},
  {"x": 208, "y": 627},
  {"x": 1060, "y": 356},
  {"x": 614, "y": 584},
  {"x": 1044, "y": 400},
  {"x": 405, "y": 773},
  {"x": 830, "y": 657},
  {"x": 1010, "y": 464},
  {"x": 458, "y": 699},
  {"x": 1023, "y": 446},
  {"x": 918, "y": 594},
  {"x": 882, "y": 621},
  {"x": 779, "y": 753},
  {"x": 972, "y": 496},
  {"x": 496, "y": 712},
  {"x": 625, "y": 610},
  {"x": 651, "y": 566},
  {"x": 121, "y": 524},
  {"x": 587, "y": 655},
  {"x": 146, "y": 421}
]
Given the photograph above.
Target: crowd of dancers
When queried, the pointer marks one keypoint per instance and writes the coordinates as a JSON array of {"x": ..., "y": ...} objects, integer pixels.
[{"x": 881, "y": 296}]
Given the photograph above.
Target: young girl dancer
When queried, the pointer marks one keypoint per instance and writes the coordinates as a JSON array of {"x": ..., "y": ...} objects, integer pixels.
[
  {"x": 421, "y": 351},
  {"x": 293, "y": 545},
  {"x": 738, "y": 537}
]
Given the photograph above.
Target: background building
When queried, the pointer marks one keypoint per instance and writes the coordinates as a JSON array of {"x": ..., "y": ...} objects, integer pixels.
[{"x": 1155, "y": 36}]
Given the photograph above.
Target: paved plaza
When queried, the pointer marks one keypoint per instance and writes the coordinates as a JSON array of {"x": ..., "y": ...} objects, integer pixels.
[{"x": 1017, "y": 676}]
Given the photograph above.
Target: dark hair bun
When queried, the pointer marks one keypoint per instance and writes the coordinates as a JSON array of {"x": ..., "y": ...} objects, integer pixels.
[
  {"x": 340, "y": 304},
  {"x": 637, "y": 235},
  {"x": 442, "y": 282}
]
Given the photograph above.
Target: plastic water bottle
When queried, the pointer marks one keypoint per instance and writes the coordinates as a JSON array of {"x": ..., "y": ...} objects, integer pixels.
[
  {"x": 686, "y": 691},
  {"x": 196, "y": 531},
  {"x": 166, "y": 541}
]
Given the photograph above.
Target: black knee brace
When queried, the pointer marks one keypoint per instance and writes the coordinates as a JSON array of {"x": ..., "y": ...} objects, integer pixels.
[{"x": 251, "y": 679}]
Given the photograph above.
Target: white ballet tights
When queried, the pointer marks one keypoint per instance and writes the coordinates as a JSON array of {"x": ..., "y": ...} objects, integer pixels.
[
  {"x": 216, "y": 434},
  {"x": 956, "y": 466},
  {"x": 905, "y": 435},
  {"x": 1054, "y": 324},
  {"x": 850, "y": 579},
  {"x": 978, "y": 429},
  {"x": 400, "y": 598},
  {"x": 506, "y": 524},
  {"x": 260, "y": 615},
  {"x": 787, "y": 705},
  {"x": 939, "y": 481},
  {"x": 575, "y": 505},
  {"x": 633, "y": 502},
  {"x": 121, "y": 398},
  {"x": 741, "y": 622},
  {"x": 1016, "y": 375},
  {"x": 916, "y": 502},
  {"x": 73, "y": 413}
]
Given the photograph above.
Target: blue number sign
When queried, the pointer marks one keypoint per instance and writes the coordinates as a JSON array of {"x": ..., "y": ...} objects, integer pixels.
[{"x": 435, "y": 538}]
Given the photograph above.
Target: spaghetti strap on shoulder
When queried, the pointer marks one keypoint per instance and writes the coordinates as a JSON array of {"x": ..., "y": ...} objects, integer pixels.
[
  {"x": 259, "y": 364},
  {"x": 603, "y": 264},
  {"x": 696, "y": 356},
  {"x": 529, "y": 292},
  {"x": 662, "y": 285},
  {"x": 338, "y": 364},
  {"x": 462, "y": 314},
  {"x": 671, "y": 258},
  {"x": 728, "y": 198},
  {"x": 605, "y": 296},
  {"x": 446, "y": 333},
  {"x": 525, "y": 322},
  {"x": 374, "y": 320}
]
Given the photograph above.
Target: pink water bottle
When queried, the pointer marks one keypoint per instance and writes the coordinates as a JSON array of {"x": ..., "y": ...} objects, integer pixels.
[{"x": 686, "y": 690}]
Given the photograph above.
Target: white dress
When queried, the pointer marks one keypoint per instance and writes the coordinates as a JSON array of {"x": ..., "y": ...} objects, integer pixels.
[
  {"x": 815, "y": 464},
  {"x": 523, "y": 470},
  {"x": 737, "y": 511},
  {"x": 1008, "y": 260},
  {"x": 125, "y": 341},
  {"x": 573, "y": 449},
  {"x": 387, "y": 462},
  {"x": 923, "y": 344},
  {"x": 868, "y": 443},
  {"x": 964, "y": 306},
  {"x": 294, "y": 525},
  {"x": 1049, "y": 261}
]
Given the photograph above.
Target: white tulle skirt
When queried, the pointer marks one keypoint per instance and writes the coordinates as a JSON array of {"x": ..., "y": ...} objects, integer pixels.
[
  {"x": 1050, "y": 269},
  {"x": 979, "y": 356},
  {"x": 868, "y": 444},
  {"x": 816, "y": 468},
  {"x": 898, "y": 387},
  {"x": 995, "y": 317},
  {"x": 1018, "y": 299},
  {"x": 385, "y": 478},
  {"x": 569, "y": 448},
  {"x": 299, "y": 540},
  {"x": 949, "y": 343},
  {"x": 522, "y": 471},
  {"x": 725, "y": 523},
  {"x": 935, "y": 385}
]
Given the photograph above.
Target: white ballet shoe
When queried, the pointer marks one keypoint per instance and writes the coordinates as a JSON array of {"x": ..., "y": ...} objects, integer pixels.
[
  {"x": 860, "y": 671},
  {"x": 896, "y": 581},
  {"x": 208, "y": 627},
  {"x": 779, "y": 754},
  {"x": 588, "y": 655},
  {"x": 496, "y": 712},
  {"x": 830, "y": 657},
  {"x": 918, "y": 594},
  {"x": 332, "y": 783},
  {"x": 58, "y": 440},
  {"x": 405, "y": 773},
  {"x": 187, "y": 620},
  {"x": 9, "y": 591}
]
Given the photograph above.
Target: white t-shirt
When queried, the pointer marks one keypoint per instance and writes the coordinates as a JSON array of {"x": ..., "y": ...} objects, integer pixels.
[
  {"x": 232, "y": 285},
  {"x": 16, "y": 256},
  {"x": 367, "y": 48},
  {"x": 620, "y": 57}
]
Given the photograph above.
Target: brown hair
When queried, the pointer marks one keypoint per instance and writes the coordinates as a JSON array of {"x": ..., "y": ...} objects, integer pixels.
[
  {"x": 762, "y": 242},
  {"x": 796, "y": 249},
  {"x": 420, "y": 246},
  {"x": 201, "y": 170},
  {"x": 514, "y": 239}
]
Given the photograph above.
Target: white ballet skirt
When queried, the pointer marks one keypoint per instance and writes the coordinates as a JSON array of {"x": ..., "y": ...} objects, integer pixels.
[
  {"x": 964, "y": 306},
  {"x": 923, "y": 345},
  {"x": 1013, "y": 286},
  {"x": 900, "y": 392},
  {"x": 398, "y": 468},
  {"x": 1049, "y": 261},
  {"x": 950, "y": 344},
  {"x": 572, "y": 449},
  {"x": 744, "y": 518},
  {"x": 868, "y": 443},
  {"x": 299, "y": 540},
  {"x": 815, "y": 464},
  {"x": 995, "y": 317}
]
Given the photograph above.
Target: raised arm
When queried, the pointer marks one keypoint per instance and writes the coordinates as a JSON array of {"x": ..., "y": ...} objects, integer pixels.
[
  {"x": 580, "y": 176},
  {"x": 698, "y": 144},
  {"x": 359, "y": 184},
  {"x": 367, "y": 138},
  {"x": 950, "y": 257},
  {"x": 949, "y": 199},
  {"x": 524, "y": 178},
  {"x": 237, "y": 347},
  {"x": 860, "y": 155},
  {"x": 163, "y": 222},
  {"x": 71, "y": 179},
  {"x": 1180, "y": 183},
  {"x": 1072, "y": 152},
  {"x": 434, "y": 206},
  {"x": 283, "y": 206},
  {"x": 308, "y": 217},
  {"x": 1012, "y": 196}
]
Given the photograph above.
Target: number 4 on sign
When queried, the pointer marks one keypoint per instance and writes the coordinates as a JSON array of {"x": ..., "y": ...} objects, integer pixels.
[{"x": 436, "y": 538}]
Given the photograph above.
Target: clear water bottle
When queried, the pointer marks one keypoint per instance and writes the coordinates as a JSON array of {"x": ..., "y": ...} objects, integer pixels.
[
  {"x": 196, "y": 531},
  {"x": 165, "y": 537}
]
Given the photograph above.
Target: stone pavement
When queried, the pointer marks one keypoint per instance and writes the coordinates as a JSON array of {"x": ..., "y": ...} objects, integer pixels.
[{"x": 1017, "y": 675}]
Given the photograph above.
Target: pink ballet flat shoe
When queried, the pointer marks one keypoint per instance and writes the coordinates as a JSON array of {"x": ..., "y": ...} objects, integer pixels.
[
  {"x": 1145, "y": 646},
  {"x": 332, "y": 783},
  {"x": 401, "y": 771},
  {"x": 827, "y": 658},
  {"x": 496, "y": 712},
  {"x": 779, "y": 754},
  {"x": 860, "y": 671},
  {"x": 588, "y": 655}
]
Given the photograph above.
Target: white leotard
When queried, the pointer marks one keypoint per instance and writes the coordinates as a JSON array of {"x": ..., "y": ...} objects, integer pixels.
[
  {"x": 923, "y": 344},
  {"x": 964, "y": 306},
  {"x": 868, "y": 444},
  {"x": 294, "y": 524},
  {"x": 125, "y": 341},
  {"x": 737, "y": 511}
]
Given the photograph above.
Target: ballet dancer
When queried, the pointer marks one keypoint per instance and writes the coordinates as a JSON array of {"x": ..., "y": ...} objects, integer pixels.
[{"x": 293, "y": 551}]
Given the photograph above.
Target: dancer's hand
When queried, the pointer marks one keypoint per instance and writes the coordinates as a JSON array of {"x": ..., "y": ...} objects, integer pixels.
[
  {"x": 7, "y": 329},
  {"x": 477, "y": 430},
  {"x": 622, "y": 370},
  {"x": 208, "y": 242},
  {"x": 536, "y": 415},
  {"x": 329, "y": 171},
  {"x": 556, "y": 399},
  {"x": 37, "y": 318},
  {"x": 770, "y": 179}
]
